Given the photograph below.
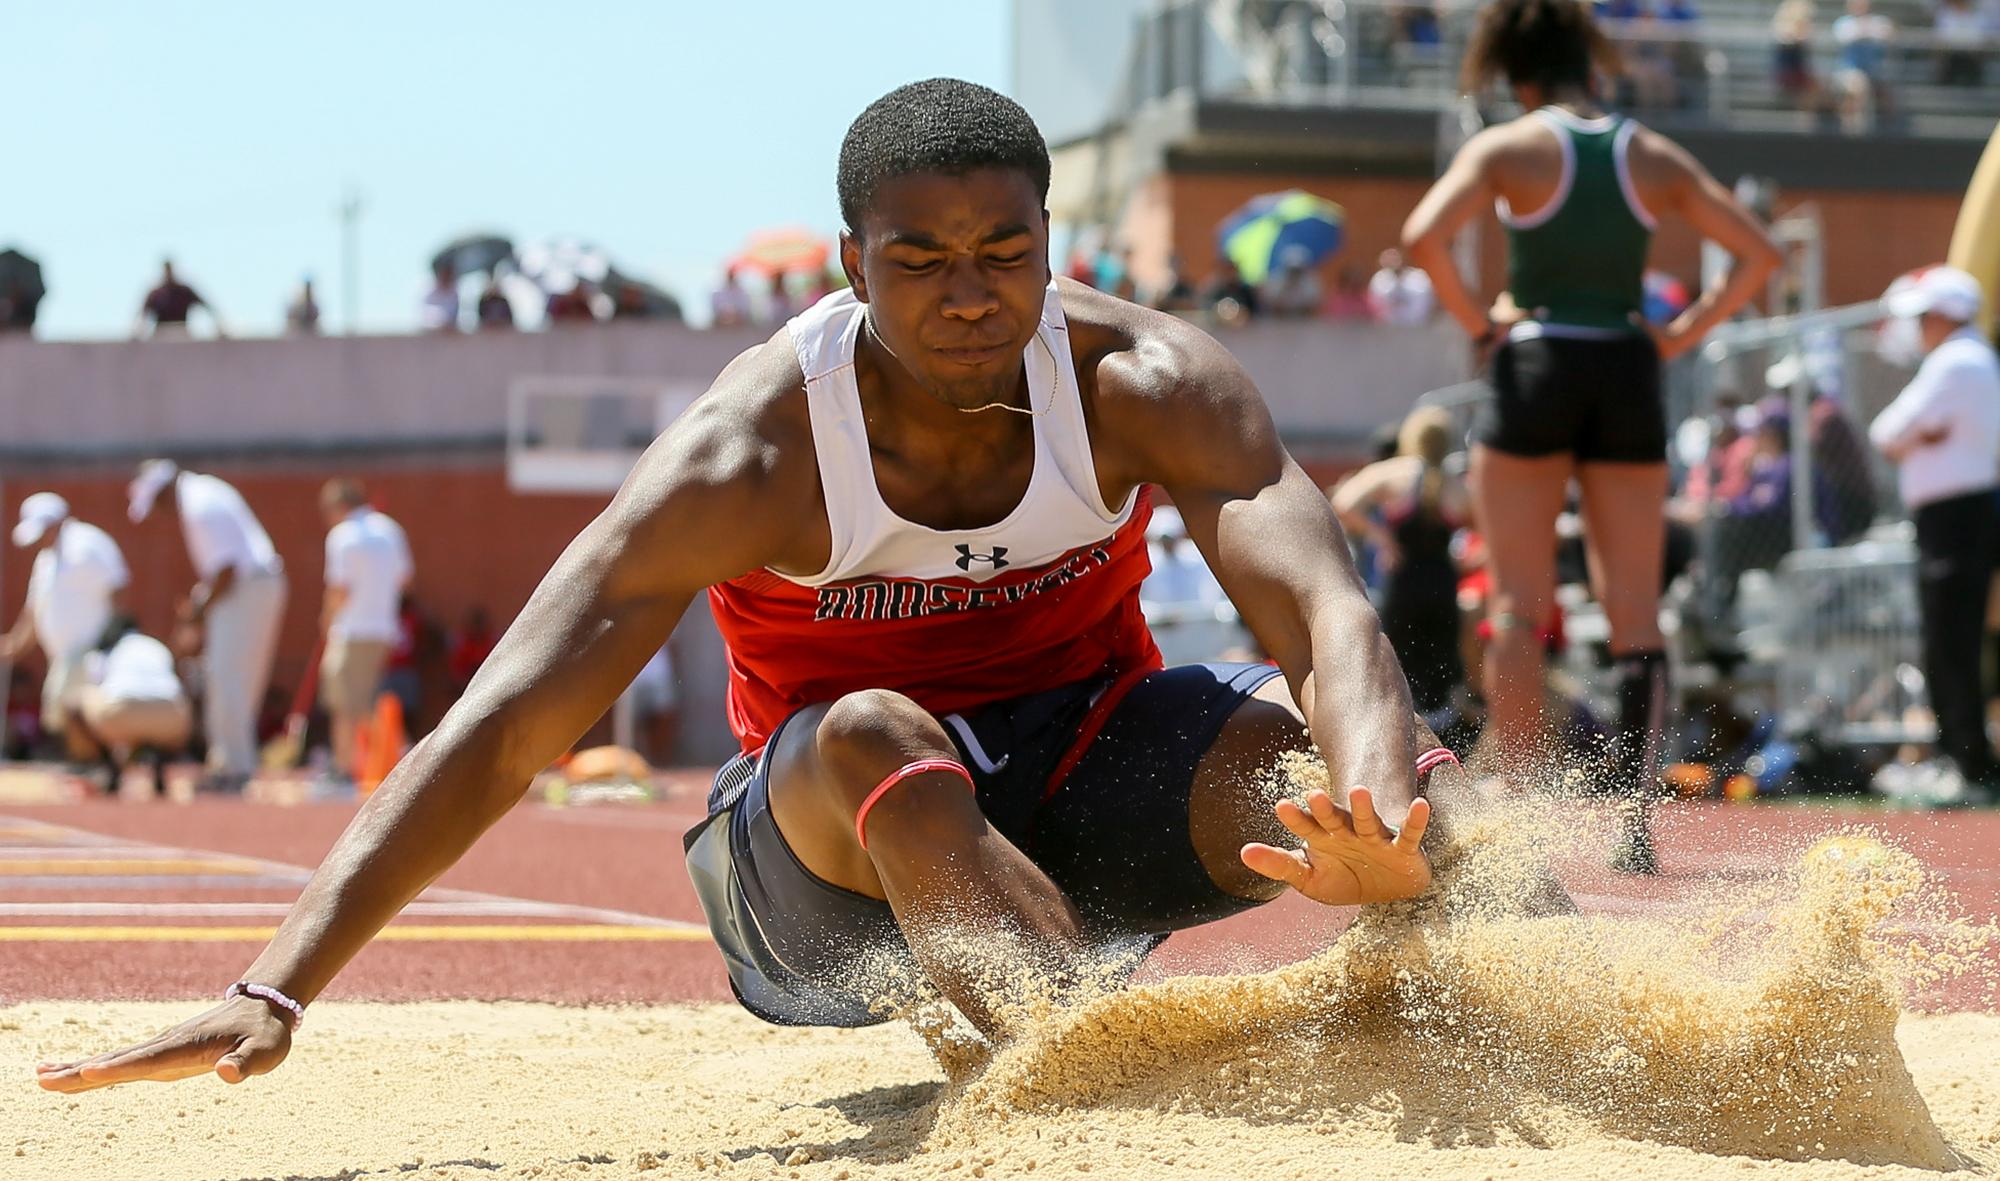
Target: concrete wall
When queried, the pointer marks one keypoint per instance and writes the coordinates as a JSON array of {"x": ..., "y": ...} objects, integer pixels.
[
  {"x": 63, "y": 402},
  {"x": 420, "y": 420}
]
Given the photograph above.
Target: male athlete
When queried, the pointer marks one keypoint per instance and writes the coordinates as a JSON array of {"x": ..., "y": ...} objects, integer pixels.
[{"x": 919, "y": 514}]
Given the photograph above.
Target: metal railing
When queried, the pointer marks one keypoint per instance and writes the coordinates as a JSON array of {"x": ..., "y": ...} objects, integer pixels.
[{"x": 1381, "y": 53}]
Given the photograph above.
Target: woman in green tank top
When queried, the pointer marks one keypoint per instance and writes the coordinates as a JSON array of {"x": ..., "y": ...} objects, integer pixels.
[{"x": 1575, "y": 370}]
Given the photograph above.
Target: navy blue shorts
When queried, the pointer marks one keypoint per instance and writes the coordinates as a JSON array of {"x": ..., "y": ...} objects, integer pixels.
[{"x": 1114, "y": 836}]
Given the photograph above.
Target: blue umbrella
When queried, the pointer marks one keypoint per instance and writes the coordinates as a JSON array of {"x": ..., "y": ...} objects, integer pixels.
[{"x": 1278, "y": 227}]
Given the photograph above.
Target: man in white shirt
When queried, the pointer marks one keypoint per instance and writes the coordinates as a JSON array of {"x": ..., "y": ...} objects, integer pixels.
[
  {"x": 1943, "y": 431},
  {"x": 131, "y": 701},
  {"x": 76, "y": 585},
  {"x": 367, "y": 567},
  {"x": 1400, "y": 294},
  {"x": 238, "y": 603}
]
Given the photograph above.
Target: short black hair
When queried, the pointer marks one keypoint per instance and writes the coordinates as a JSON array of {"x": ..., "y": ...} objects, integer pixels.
[{"x": 938, "y": 125}]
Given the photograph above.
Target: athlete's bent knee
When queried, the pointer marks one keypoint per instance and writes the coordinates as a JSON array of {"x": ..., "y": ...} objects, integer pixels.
[{"x": 866, "y": 735}]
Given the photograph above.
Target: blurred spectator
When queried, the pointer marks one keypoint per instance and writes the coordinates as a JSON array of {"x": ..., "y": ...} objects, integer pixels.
[
  {"x": 1349, "y": 298},
  {"x": 1791, "y": 54},
  {"x": 165, "y": 312},
  {"x": 1841, "y": 471},
  {"x": 1184, "y": 605},
  {"x": 404, "y": 676},
  {"x": 1864, "y": 36},
  {"x": 1293, "y": 291},
  {"x": 729, "y": 307},
  {"x": 1175, "y": 294},
  {"x": 440, "y": 307},
  {"x": 1680, "y": 23},
  {"x": 367, "y": 567},
  {"x": 1961, "y": 34},
  {"x": 817, "y": 286},
  {"x": 236, "y": 607},
  {"x": 1226, "y": 296},
  {"x": 655, "y": 698},
  {"x": 76, "y": 585},
  {"x": 1081, "y": 268},
  {"x": 1399, "y": 293},
  {"x": 496, "y": 314},
  {"x": 631, "y": 300},
  {"x": 1663, "y": 297},
  {"x": 130, "y": 702},
  {"x": 777, "y": 300},
  {"x": 1943, "y": 432},
  {"x": 1112, "y": 270},
  {"x": 470, "y": 646},
  {"x": 1417, "y": 24},
  {"x": 1408, "y": 508},
  {"x": 1181, "y": 580},
  {"x": 1753, "y": 528},
  {"x": 1649, "y": 60},
  {"x": 1723, "y": 469},
  {"x": 21, "y": 291},
  {"x": 573, "y": 306},
  {"x": 302, "y": 314}
]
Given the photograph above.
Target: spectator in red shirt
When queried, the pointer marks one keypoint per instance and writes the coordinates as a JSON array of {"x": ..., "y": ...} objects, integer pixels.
[{"x": 404, "y": 677}]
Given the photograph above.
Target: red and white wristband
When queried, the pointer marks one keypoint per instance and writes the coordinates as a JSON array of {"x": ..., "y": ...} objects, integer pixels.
[{"x": 295, "y": 1013}]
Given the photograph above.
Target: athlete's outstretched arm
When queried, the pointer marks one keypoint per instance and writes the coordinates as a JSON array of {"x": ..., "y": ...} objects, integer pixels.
[
  {"x": 1199, "y": 427},
  {"x": 1720, "y": 218},
  {"x": 1461, "y": 194},
  {"x": 706, "y": 503}
]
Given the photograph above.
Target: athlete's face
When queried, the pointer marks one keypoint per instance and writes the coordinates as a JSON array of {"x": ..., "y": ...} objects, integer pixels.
[{"x": 953, "y": 269}]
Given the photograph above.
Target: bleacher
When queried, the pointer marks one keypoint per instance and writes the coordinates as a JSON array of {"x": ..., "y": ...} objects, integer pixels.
[
  {"x": 1738, "y": 32},
  {"x": 1728, "y": 79}
]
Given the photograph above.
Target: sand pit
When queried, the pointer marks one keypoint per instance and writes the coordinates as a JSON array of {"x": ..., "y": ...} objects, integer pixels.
[
  {"x": 540, "y": 1091},
  {"x": 1453, "y": 1039}
]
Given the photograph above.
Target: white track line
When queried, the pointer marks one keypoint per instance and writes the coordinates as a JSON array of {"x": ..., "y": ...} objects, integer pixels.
[
  {"x": 523, "y": 908},
  {"x": 296, "y": 875}
]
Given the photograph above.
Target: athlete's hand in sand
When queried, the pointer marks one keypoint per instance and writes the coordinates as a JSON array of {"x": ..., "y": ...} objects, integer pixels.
[
  {"x": 235, "y": 1039},
  {"x": 1350, "y": 857}
]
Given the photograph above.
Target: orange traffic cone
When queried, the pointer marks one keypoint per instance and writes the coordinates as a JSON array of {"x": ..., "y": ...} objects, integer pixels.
[{"x": 379, "y": 743}]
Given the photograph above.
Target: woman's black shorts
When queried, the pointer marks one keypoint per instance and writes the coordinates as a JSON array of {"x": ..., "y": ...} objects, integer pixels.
[{"x": 1596, "y": 399}]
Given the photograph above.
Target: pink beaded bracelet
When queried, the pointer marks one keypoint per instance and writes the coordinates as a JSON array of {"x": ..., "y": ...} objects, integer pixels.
[{"x": 269, "y": 995}]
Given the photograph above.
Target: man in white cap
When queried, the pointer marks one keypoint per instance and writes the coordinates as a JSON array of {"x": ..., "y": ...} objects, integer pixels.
[
  {"x": 1943, "y": 432},
  {"x": 76, "y": 585},
  {"x": 238, "y": 603}
]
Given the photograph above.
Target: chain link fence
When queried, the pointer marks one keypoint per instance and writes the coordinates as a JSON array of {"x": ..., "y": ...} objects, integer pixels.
[{"x": 1792, "y": 564}]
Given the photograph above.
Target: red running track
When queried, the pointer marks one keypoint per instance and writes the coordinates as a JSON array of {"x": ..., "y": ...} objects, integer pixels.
[{"x": 627, "y": 859}]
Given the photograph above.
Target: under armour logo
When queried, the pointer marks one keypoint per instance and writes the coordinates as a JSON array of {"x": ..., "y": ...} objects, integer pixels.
[{"x": 996, "y": 559}]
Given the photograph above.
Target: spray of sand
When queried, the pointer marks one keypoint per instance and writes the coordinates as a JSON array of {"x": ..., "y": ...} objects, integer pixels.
[{"x": 1468, "y": 1015}]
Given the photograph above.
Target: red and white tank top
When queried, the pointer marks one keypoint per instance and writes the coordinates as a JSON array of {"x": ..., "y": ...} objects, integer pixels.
[{"x": 952, "y": 618}]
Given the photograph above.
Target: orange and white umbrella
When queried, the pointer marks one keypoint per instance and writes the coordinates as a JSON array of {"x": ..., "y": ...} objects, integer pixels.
[{"x": 785, "y": 250}]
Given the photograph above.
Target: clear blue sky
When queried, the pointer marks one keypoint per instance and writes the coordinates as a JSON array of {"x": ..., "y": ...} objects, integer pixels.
[{"x": 223, "y": 134}]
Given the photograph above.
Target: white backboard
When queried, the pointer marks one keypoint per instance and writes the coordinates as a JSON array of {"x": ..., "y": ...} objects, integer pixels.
[{"x": 583, "y": 434}]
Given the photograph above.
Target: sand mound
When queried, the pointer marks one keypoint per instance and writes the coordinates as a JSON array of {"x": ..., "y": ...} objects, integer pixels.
[{"x": 1642, "y": 1031}]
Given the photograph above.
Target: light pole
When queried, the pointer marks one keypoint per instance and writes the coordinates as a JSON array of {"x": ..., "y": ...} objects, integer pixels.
[{"x": 349, "y": 213}]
